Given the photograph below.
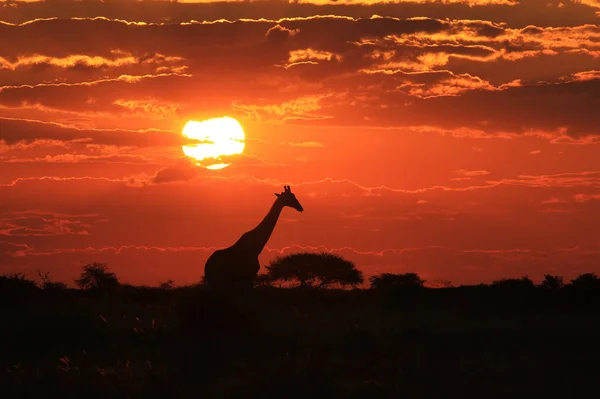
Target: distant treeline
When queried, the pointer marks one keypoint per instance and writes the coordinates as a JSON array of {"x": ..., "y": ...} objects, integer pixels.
[{"x": 301, "y": 270}]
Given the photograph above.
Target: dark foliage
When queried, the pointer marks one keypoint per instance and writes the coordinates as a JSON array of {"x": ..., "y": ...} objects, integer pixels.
[
  {"x": 97, "y": 276},
  {"x": 552, "y": 283},
  {"x": 166, "y": 285},
  {"x": 263, "y": 280},
  {"x": 316, "y": 270},
  {"x": 190, "y": 342},
  {"x": 16, "y": 282},
  {"x": 15, "y": 287},
  {"x": 586, "y": 282},
  {"x": 187, "y": 341},
  {"x": 49, "y": 285},
  {"x": 389, "y": 281},
  {"x": 514, "y": 284}
]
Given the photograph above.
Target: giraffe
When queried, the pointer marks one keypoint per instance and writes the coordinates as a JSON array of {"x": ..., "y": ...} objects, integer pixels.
[{"x": 238, "y": 264}]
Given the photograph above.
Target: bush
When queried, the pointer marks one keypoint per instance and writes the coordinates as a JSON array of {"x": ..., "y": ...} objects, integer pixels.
[
  {"x": 388, "y": 281},
  {"x": 517, "y": 284},
  {"x": 586, "y": 282},
  {"x": 15, "y": 285},
  {"x": 552, "y": 283},
  {"x": 49, "y": 285}
]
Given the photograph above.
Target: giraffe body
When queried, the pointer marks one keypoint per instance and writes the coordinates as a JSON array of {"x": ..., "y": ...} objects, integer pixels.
[
  {"x": 238, "y": 265},
  {"x": 231, "y": 267}
]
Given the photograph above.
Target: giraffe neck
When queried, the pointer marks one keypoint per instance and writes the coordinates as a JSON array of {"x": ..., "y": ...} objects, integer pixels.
[{"x": 259, "y": 236}]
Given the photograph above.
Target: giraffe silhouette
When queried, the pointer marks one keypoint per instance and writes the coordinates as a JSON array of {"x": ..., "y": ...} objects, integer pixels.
[{"x": 237, "y": 265}]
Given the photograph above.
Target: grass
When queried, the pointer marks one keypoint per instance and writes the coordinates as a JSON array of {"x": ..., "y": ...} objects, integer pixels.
[{"x": 145, "y": 342}]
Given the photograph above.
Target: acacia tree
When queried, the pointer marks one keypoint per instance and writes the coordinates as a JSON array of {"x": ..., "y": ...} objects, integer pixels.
[
  {"x": 96, "y": 275},
  {"x": 316, "y": 270}
]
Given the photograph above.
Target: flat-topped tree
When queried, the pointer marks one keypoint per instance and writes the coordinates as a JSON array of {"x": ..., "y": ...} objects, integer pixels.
[{"x": 314, "y": 270}]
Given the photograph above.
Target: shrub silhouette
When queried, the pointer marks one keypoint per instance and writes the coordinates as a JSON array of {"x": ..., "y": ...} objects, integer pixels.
[
  {"x": 262, "y": 280},
  {"x": 523, "y": 283},
  {"x": 97, "y": 276},
  {"x": 166, "y": 285},
  {"x": 586, "y": 282},
  {"x": 552, "y": 283},
  {"x": 49, "y": 285},
  {"x": 314, "y": 270},
  {"x": 17, "y": 284},
  {"x": 387, "y": 281},
  {"x": 441, "y": 284}
]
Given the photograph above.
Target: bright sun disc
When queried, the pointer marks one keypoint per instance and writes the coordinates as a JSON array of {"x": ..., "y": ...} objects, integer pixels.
[{"x": 218, "y": 138}]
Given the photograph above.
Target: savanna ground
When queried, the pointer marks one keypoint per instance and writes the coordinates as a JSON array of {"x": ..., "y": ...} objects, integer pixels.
[{"x": 475, "y": 342}]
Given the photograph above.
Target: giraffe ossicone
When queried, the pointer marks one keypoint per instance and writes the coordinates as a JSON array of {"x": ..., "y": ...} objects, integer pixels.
[{"x": 238, "y": 265}]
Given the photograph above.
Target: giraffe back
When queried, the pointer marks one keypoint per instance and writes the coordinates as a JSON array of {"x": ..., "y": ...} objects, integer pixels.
[{"x": 231, "y": 266}]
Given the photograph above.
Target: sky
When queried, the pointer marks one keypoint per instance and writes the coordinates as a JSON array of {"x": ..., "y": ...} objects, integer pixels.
[{"x": 457, "y": 139}]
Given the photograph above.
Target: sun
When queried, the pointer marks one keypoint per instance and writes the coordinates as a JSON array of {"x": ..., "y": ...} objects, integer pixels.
[{"x": 217, "y": 138}]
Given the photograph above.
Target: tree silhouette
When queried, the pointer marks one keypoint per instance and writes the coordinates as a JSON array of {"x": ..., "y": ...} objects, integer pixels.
[
  {"x": 96, "y": 276},
  {"x": 16, "y": 283},
  {"x": 262, "y": 280},
  {"x": 552, "y": 283},
  {"x": 586, "y": 282},
  {"x": 387, "y": 281},
  {"x": 315, "y": 270},
  {"x": 523, "y": 283},
  {"x": 48, "y": 284},
  {"x": 166, "y": 285},
  {"x": 441, "y": 284}
]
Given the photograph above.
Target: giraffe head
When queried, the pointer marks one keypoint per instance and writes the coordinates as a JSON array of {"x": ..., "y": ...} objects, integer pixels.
[{"x": 287, "y": 198}]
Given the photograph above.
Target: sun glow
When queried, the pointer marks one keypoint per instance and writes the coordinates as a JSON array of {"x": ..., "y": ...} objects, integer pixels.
[{"x": 216, "y": 139}]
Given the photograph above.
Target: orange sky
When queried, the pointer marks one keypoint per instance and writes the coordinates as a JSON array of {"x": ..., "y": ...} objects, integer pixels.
[{"x": 459, "y": 140}]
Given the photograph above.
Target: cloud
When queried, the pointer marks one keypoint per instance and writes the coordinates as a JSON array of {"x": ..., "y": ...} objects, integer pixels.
[
  {"x": 23, "y": 250},
  {"x": 589, "y": 179},
  {"x": 471, "y": 173},
  {"x": 310, "y": 56},
  {"x": 586, "y": 197},
  {"x": 519, "y": 14},
  {"x": 80, "y": 158},
  {"x": 149, "y": 107},
  {"x": 300, "y": 108},
  {"x": 583, "y": 76},
  {"x": 280, "y": 34},
  {"x": 91, "y": 98},
  {"x": 182, "y": 171},
  {"x": 491, "y": 110},
  {"x": 23, "y": 132},
  {"x": 42, "y": 224},
  {"x": 306, "y": 144},
  {"x": 451, "y": 85},
  {"x": 121, "y": 78},
  {"x": 374, "y": 2},
  {"x": 591, "y": 3},
  {"x": 380, "y": 71},
  {"x": 10, "y": 250},
  {"x": 420, "y": 40},
  {"x": 118, "y": 59}
]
